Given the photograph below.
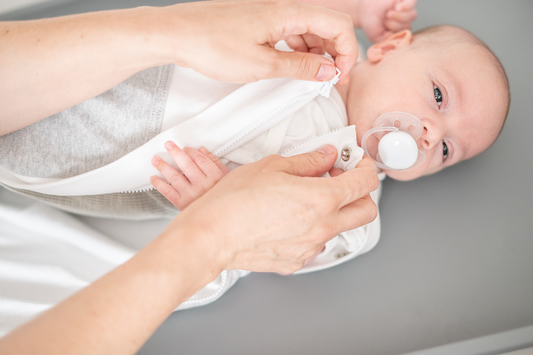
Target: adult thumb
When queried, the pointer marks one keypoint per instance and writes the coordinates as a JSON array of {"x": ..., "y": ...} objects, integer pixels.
[
  {"x": 303, "y": 66},
  {"x": 311, "y": 164}
]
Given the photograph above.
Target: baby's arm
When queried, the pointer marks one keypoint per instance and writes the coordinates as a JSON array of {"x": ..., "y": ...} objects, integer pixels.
[
  {"x": 378, "y": 18},
  {"x": 201, "y": 171}
]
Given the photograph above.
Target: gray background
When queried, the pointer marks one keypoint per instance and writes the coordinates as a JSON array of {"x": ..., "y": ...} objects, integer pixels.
[{"x": 455, "y": 259}]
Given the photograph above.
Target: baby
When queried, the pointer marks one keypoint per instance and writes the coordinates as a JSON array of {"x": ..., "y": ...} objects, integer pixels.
[{"x": 443, "y": 75}]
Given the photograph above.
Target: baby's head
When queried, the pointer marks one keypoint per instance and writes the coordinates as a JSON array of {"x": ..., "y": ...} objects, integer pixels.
[{"x": 447, "y": 78}]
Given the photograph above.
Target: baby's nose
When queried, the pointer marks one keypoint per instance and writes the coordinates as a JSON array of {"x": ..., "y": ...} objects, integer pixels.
[{"x": 429, "y": 139}]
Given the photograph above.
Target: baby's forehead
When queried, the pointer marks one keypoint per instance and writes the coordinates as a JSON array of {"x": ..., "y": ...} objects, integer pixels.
[
  {"x": 468, "y": 63},
  {"x": 480, "y": 95}
]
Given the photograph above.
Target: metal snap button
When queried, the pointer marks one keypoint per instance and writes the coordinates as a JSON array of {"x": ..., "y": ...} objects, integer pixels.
[
  {"x": 342, "y": 254},
  {"x": 346, "y": 153}
]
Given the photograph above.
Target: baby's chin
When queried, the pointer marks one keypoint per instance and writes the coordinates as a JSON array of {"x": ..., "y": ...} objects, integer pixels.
[{"x": 402, "y": 175}]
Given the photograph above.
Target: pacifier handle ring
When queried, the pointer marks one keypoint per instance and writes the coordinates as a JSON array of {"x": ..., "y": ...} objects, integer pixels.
[
  {"x": 372, "y": 131},
  {"x": 375, "y": 130}
]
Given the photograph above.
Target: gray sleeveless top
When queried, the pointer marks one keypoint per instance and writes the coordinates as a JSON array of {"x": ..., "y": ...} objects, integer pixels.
[{"x": 91, "y": 135}]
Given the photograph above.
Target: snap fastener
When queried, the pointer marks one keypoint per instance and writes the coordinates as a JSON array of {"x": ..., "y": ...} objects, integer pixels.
[
  {"x": 346, "y": 153},
  {"x": 342, "y": 254},
  {"x": 258, "y": 156}
]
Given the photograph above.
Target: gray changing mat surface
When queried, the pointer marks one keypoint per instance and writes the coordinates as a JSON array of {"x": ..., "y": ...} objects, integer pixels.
[{"x": 455, "y": 260}]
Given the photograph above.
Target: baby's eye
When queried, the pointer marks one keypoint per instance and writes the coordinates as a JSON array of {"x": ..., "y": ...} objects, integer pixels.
[
  {"x": 438, "y": 95},
  {"x": 444, "y": 151}
]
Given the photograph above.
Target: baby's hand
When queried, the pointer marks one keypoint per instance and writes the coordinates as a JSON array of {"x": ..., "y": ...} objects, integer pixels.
[
  {"x": 201, "y": 170},
  {"x": 380, "y": 18}
]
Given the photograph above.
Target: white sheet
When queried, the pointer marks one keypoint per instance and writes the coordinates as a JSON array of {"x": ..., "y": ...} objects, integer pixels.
[{"x": 45, "y": 256}]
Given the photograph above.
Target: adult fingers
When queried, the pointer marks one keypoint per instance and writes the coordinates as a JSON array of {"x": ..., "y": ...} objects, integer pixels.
[
  {"x": 356, "y": 183},
  {"x": 298, "y": 65},
  {"x": 310, "y": 164},
  {"x": 297, "y": 44},
  {"x": 357, "y": 213},
  {"x": 326, "y": 24},
  {"x": 335, "y": 172},
  {"x": 329, "y": 46},
  {"x": 314, "y": 44}
]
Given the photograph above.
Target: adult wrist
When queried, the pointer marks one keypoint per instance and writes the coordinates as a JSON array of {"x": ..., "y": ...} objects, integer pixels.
[
  {"x": 157, "y": 35},
  {"x": 175, "y": 32},
  {"x": 188, "y": 244}
]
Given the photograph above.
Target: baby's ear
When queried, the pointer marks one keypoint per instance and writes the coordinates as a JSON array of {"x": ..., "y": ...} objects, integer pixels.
[{"x": 396, "y": 40}]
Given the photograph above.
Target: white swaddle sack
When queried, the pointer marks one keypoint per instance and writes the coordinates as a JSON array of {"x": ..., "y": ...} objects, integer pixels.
[{"x": 47, "y": 255}]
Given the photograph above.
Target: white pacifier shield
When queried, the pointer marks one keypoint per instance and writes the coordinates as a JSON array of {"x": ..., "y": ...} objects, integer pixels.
[{"x": 398, "y": 150}]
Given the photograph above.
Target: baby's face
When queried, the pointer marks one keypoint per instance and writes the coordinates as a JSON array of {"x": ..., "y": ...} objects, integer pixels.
[{"x": 457, "y": 94}]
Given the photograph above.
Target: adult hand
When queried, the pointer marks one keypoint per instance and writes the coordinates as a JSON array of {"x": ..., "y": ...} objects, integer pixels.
[
  {"x": 274, "y": 214},
  {"x": 234, "y": 40},
  {"x": 53, "y": 64},
  {"x": 266, "y": 216}
]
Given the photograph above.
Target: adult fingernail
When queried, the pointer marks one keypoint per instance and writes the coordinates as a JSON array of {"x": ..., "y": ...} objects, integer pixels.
[
  {"x": 326, "y": 72},
  {"x": 327, "y": 150},
  {"x": 169, "y": 145},
  {"x": 155, "y": 161}
]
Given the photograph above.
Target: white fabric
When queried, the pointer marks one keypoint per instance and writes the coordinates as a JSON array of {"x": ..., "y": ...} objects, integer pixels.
[
  {"x": 45, "y": 256},
  {"x": 238, "y": 118}
]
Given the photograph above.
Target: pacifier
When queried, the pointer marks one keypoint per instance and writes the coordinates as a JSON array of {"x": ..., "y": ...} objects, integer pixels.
[{"x": 392, "y": 141}]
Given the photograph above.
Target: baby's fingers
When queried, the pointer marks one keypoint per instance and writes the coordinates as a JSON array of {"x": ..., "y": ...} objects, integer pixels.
[
  {"x": 168, "y": 191},
  {"x": 188, "y": 167},
  {"x": 174, "y": 178},
  {"x": 206, "y": 164},
  {"x": 224, "y": 169}
]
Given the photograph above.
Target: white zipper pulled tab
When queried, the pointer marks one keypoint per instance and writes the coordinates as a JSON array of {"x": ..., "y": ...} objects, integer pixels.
[{"x": 325, "y": 89}]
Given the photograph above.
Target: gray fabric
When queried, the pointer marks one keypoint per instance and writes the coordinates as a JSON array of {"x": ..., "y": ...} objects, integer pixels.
[
  {"x": 133, "y": 206},
  {"x": 91, "y": 135}
]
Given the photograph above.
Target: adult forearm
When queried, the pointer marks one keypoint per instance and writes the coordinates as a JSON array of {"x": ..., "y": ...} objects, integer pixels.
[
  {"x": 49, "y": 65},
  {"x": 268, "y": 216},
  {"x": 118, "y": 313}
]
